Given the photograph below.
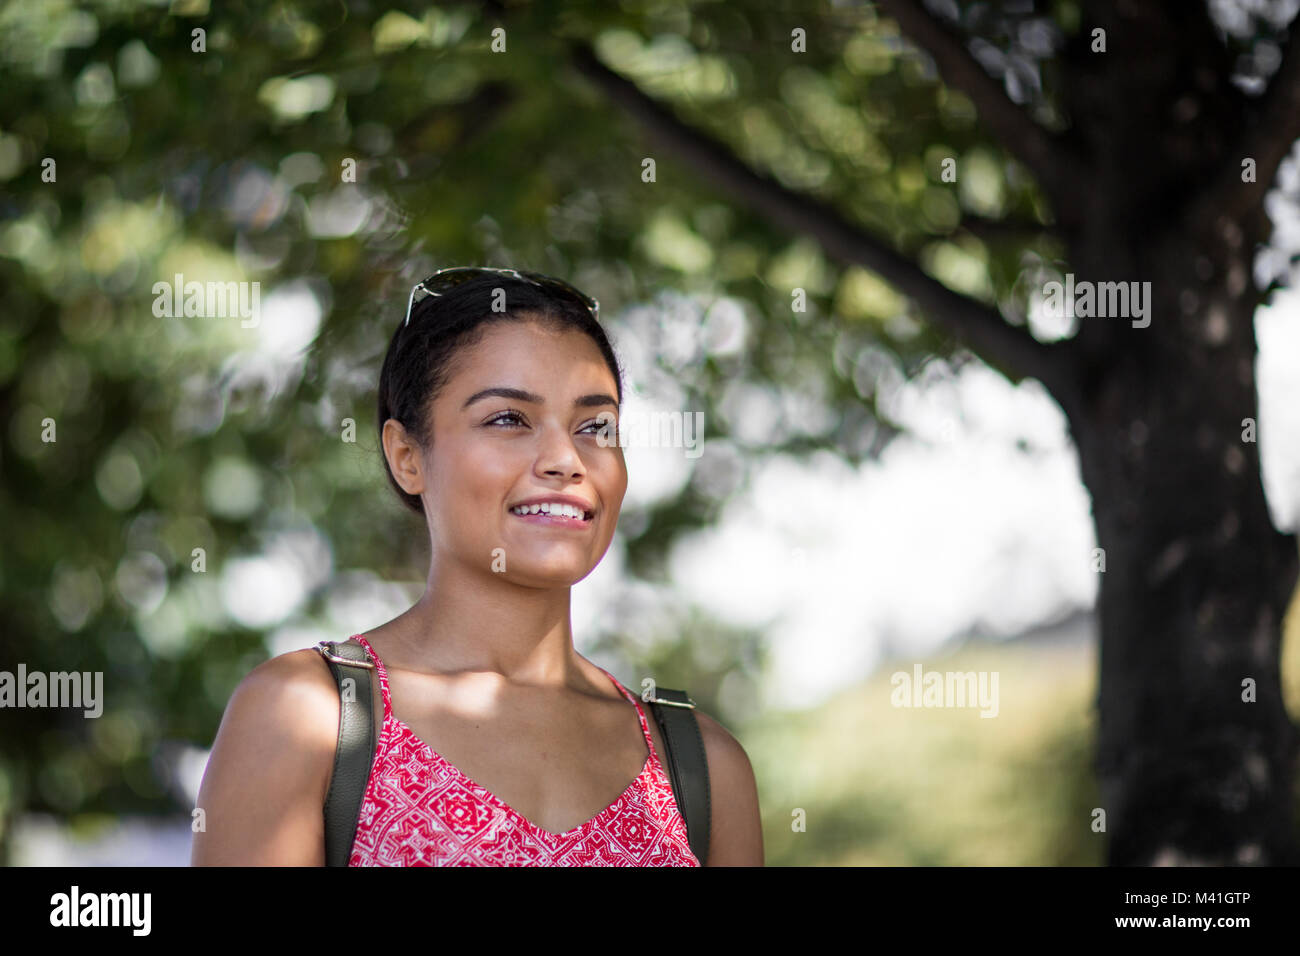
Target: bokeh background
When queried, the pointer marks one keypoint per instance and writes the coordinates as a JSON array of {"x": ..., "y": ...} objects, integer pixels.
[{"x": 871, "y": 494}]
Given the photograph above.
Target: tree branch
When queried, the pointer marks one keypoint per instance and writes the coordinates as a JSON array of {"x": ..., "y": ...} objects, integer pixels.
[
  {"x": 471, "y": 117},
  {"x": 1009, "y": 348},
  {"x": 1272, "y": 130},
  {"x": 1048, "y": 155},
  {"x": 1002, "y": 230}
]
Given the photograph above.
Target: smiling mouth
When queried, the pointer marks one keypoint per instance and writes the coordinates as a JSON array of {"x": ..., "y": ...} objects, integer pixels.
[{"x": 564, "y": 517}]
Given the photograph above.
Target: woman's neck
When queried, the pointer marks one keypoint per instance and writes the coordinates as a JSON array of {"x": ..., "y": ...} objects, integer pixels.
[{"x": 468, "y": 623}]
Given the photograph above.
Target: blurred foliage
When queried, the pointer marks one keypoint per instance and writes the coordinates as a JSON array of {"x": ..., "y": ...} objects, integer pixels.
[{"x": 228, "y": 165}]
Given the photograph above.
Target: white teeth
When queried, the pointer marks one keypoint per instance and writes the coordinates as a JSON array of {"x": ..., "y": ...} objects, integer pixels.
[{"x": 549, "y": 508}]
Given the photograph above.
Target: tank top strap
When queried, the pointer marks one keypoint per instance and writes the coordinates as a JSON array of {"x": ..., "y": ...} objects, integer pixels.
[
  {"x": 640, "y": 712},
  {"x": 380, "y": 669}
]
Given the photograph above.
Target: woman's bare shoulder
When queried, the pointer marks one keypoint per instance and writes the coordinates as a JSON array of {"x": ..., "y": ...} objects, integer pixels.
[
  {"x": 736, "y": 830},
  {"x": 270, "y": 766},
  {"x": 296, "y": 686}
]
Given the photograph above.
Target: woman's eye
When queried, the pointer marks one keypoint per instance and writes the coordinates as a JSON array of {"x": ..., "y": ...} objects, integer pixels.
[
  {"x": 511, "y": 418},
  {"x": 504, "y": 416}
]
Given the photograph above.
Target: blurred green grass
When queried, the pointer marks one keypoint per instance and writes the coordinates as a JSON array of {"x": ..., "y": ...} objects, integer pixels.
[{"x": 895, "y": 786}]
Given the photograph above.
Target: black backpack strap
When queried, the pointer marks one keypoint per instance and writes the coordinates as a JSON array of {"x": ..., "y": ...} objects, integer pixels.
[
  {"x": 688, "y": 767},
  {"x": 356, "y": 748}
]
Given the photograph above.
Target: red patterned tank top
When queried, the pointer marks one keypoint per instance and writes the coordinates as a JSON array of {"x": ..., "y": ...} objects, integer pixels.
[{"x": 420, "y": 810}]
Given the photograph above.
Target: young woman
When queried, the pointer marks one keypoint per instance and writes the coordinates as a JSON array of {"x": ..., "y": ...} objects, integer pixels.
[{"x": 499, "y": 744}]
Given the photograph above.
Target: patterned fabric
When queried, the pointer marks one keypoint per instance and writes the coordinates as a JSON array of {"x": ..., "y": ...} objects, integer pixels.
[{"x": 420, "y": 810}]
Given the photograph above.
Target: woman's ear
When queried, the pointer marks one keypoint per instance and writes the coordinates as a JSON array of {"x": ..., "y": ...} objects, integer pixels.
[{"x": 403, "y": 455}]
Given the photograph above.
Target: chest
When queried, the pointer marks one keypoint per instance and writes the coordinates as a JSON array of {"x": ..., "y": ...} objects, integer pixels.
[{"x": 556, "y": 760}]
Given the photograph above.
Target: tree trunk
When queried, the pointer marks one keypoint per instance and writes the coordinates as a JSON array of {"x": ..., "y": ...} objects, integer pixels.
[{"x": 1196, "y": 580}]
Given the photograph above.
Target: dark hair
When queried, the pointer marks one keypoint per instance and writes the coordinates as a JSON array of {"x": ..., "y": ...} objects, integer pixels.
[{"x": 421, "y": 354}]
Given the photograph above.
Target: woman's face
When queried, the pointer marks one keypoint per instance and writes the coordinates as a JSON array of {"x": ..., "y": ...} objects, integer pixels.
[{"x": 493, "y": 451}]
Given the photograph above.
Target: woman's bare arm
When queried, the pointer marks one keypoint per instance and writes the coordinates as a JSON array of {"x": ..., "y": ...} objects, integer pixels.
[
  {"x": 735, "y": 827},
  {"x": 264, "y": 789}
]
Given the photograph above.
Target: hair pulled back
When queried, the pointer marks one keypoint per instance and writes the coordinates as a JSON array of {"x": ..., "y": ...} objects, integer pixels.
[{"x": 421, "y": 355}]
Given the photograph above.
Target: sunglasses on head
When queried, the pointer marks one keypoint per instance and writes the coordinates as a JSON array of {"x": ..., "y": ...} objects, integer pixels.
[{"x": 445, "y": 279}]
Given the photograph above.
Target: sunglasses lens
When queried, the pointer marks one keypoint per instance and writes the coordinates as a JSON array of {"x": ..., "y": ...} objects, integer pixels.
[
  {"x": 451, "y": 278},
  {"x": 563, "y": 288}
]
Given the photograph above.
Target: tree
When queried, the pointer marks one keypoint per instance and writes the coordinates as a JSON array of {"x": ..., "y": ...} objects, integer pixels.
[
  {"x": 1156, "y": 175},
  {"x": 336, "y": 154}
]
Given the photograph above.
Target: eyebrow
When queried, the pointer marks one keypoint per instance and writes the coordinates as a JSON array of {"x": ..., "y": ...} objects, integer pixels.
[{"x": 522, "y": 395}]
